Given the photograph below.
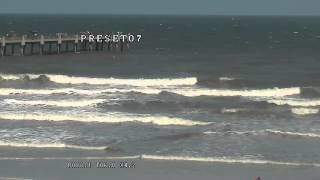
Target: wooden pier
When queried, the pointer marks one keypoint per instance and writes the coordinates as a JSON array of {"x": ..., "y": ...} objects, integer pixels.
[{"x": 55, "y": 44}]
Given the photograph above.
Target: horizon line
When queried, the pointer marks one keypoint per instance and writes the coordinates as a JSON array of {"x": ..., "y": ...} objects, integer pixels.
[{"x": 160, "y": 14}]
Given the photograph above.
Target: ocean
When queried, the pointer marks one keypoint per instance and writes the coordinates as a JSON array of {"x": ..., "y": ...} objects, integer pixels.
[{"x": 234, "y": 89}]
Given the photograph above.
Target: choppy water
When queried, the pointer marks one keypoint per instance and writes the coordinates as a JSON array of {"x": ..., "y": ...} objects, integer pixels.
[{"x": 222, "y": 89}]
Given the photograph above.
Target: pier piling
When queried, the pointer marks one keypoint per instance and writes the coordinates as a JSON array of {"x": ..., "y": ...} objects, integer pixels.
[
  {"x": 32, "y": 48},
  {"x": 41, "y": 44},
  {"x": 22, "y": 46},
  {"x": 3, "y": 46}
]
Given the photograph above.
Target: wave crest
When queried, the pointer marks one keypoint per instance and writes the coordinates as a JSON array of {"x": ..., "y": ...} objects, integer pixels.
[
  {"x": 50, "y": 145},
  {"x": 225, "y": 160},
  {"x": 295, "y": 102},
  {"x": 274, "y": 92},
  {"x": 58, "y": 103},
  {"x": 110, "y": 118},
  {"x": 312, "y": 135},
  {"x": 64, "y": 79}
]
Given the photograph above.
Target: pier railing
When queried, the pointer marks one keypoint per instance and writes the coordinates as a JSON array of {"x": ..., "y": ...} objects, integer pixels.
[{"x": 54, "y": 44}]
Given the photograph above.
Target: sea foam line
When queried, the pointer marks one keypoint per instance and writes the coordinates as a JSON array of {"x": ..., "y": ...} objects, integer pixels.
[
  {"x": 311, "y": 135},
  {"x": 228, "y": 160},
  {"x": 225, "y": 160},
  {"x": 304, "y": 111},
  {"x": 50, "y": 145},
  {"x": 59, "y": 103},
  {"x": 11, "y": 91},
  {"x": 108, "y": 118},
  {"x": 295, "y": 102},
  {"x": 190, "y": 92},
  {"x": 274, "y": 92},
  {"x": 64, "y": 79},
  {"x": 72, "y": 158}
]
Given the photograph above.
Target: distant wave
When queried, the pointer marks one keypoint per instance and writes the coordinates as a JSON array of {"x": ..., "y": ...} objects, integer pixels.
[
  {"x": 190, "y": 92},
  {"x": 59, "y": 103},
  {"x": 10, "y": 91},
  {"x": 109, "y": 118},
  {"x": 225, "y": 160},
  {"x": 64, "y": 79},
  {"x": 50, "y": 145},
  {"x": 304, "y": 111},
  {"x": 13, "y": 178},
  {"x": 232, "y": 132},
  {"x": 265, "y": 132},
  {"x": 231, "y": 110},
  {"x": 275, "y": 92},
  {"x": 295, "y": 102},
  {"x": 226, "y": 78},
  {"x": 311, "y": 135}
]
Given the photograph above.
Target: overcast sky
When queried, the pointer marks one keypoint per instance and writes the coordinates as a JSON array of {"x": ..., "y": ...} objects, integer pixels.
[{"x": 244, "y": 7}]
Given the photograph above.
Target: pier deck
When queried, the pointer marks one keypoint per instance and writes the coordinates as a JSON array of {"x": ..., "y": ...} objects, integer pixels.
[{"x": 48, "y": 44}]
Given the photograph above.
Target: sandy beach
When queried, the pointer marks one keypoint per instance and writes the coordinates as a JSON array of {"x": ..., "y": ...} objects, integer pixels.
[{"x": 152, "y": 169}]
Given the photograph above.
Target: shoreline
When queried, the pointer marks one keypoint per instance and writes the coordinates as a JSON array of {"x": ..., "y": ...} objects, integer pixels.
[{"x": 151, "y": 169}]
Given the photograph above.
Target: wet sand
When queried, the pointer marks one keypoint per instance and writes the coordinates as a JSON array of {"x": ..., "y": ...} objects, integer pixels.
[{"x": 56, "y": 169}]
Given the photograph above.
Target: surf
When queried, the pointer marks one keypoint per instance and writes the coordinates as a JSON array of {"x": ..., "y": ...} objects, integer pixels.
[
  {"x": 287, "y": 133},
  {"x": 273, "y": 92},
  {"x": 64, "y": 79},
  {"x": 228, "y": 160},
  {"x": 58, "y": 103},
  {"x": 104, "y": 118}
]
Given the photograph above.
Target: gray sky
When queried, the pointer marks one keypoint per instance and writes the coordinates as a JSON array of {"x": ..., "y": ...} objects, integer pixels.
[{"x": 246, "y": 7}]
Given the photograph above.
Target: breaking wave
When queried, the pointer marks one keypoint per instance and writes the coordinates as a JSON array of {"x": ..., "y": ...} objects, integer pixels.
[
  {"x": 226, "y": 160},
  {"x": 190, "y": 92},
  {"x": 109, "y": 118},
  {"x": 50, "y": 145},
  {"x": 10, "y": 91},
  {"x": 64, "y": 79},
  {"x": 59, "y": 103},
  {"x": 226, "y": 78},
  {"x": 275, "y": 92},
  {"x": 295, "y": 102}
]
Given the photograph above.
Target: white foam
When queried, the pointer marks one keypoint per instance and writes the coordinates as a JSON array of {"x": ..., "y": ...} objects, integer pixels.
[
  {"x": 190, "y": 92},
  {"x": 107, "y": 118},
  {"x": 11, "y": 91},
  {"x": 228, "y": 160},
  {"x": 71, "y": 158},
  {"x": 275, "y": 92},
  {"x": 58, "y": 103},
  {"x": 295, "y": 102},
  {"x": 9, "y": 77},
  {"x": 304, "y": 111},
  {"x": 231, "y": 132},
  {"x": 231, "y": 110},
  {"x": 225, "y": 160},
  {"x": 64, "y": 79},
  {"x": 312, "y": 135},
  {"x": 210, "y": 132},
  {"x": 49, "y": 145},
  {"x": 226, "y": 78}
]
